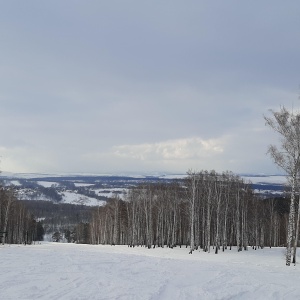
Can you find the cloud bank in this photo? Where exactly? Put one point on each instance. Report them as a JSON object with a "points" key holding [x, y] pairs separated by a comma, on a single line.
{"points": [[159, 86]]}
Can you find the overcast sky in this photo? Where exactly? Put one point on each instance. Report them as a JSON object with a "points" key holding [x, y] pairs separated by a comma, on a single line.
{"points": [[144, 86]]}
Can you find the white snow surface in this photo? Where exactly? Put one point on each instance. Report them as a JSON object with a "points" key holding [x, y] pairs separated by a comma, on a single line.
{"points": [[71, 271], [74, 198], [47, 184], [15, 182], [277, 179]]}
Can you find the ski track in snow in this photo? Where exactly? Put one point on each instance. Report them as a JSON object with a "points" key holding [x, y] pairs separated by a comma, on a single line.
{"points": [[70, 271]]}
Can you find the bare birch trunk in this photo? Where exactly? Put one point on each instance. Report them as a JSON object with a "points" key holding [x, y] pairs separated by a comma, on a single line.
{"points": [[296, 235], [291, 224]]}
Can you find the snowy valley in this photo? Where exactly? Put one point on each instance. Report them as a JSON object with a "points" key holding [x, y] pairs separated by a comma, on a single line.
{"points": [[95, 190]]}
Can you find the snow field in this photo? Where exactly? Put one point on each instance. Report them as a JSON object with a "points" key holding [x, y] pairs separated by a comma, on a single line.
{"points": [[47, 184], [70, 271], [74, 198], [278, 179]]}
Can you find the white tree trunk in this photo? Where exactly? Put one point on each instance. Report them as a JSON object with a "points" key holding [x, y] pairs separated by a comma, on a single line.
{"points": [[291, 224]]}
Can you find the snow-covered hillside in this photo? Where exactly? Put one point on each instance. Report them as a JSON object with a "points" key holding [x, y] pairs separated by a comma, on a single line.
{"points": [[74, 198], [94, 190], [70, 271]]}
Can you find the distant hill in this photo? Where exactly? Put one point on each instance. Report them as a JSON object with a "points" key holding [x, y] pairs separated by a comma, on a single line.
{"points": [[95, 190], [267, 185]]}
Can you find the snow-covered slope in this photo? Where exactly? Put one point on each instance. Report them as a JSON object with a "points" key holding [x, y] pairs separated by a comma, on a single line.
{"points": [[70, 271], [276, 179], [74, 198]]}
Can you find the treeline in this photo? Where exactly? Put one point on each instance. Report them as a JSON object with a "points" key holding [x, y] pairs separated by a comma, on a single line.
{"points": [[60, 220], [205, 210], [79, 233], [17, 224]]}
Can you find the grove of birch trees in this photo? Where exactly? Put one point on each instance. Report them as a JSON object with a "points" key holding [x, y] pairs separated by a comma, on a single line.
{"points": [[207, 210], [17, 225]]}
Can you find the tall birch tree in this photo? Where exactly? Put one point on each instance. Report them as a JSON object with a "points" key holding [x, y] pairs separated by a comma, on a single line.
{"points": [[287, 157]]}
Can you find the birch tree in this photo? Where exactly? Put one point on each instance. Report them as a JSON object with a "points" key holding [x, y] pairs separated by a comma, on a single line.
{"points": [[287, 157], [192, 190]]}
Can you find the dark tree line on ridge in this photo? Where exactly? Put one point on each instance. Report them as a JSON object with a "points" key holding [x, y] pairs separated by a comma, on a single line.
{"points": [[206, 210], [58, 216]]}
